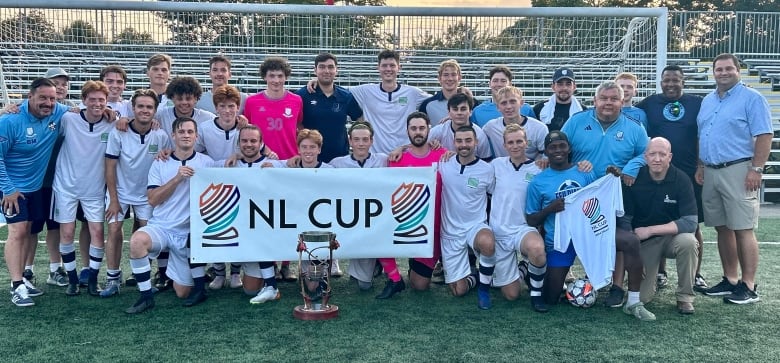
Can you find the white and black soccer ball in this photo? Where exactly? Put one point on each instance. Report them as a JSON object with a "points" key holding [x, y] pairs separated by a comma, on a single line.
{"points": [[581, 293]]}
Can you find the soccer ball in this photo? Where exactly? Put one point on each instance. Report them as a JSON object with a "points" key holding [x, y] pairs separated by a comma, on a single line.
{"points": [[581, 293]]}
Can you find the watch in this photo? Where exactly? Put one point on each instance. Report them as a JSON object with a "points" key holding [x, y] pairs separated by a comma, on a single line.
{"points": [[757, 169]]}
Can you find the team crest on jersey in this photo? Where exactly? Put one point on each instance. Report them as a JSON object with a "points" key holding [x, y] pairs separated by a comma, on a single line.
{"points": [[104, 137], [567, 188], [313, 102], [592, 209], [472, 182], [336, 107], [154, 148], [52, 126], [30, 132], [403, 100], [287, 112], [529, 177], [674, 111], [410, 206], [669, 200], [218, 209], [619, 136]]}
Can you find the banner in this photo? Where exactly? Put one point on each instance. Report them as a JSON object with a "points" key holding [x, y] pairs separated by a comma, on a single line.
{"points": [[252, 214]]}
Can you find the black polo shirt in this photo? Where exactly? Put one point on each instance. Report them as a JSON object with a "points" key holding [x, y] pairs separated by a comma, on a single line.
{"points": [[653, 203]]}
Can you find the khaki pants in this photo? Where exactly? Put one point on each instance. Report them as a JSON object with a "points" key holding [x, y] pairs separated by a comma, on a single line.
{"points": [[681, 247]]}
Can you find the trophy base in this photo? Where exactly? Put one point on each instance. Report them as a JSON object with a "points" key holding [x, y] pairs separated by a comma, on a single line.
{"points": [[331, 312]]}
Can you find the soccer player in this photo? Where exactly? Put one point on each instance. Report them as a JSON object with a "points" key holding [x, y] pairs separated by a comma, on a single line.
{"points": [[128, 157], [276, 111], [361, 136], [86, 134], [115, 79], [26, 142], [507, 220], [500, 77], [460, 106], [184, 92], [219, 73], [465, 183], [661, 210], [328, 108], [562, 104], [605, 137], [509, 100], [671, 114], [168, 190], [628, 82], [158, 69], [449, 79], [735, 139]]}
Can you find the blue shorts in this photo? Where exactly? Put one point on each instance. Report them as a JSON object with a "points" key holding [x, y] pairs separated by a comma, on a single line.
{"points": [[37, 224], [32, 207], [561, 259]]}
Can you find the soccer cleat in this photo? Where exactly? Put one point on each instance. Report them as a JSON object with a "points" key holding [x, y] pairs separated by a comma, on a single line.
{"points": [[268, 293], [111, 289], [288, 274], [32, 291], [20, 297], [162, 282], [84, 277], [335, 270], [723, 288], [58, 278], [196, 297], [235, 281], [72, 290], [537, 302], [217, 283], [639, 311], [483, 298], [661, 279], [700, 284], [29, 275], [438, 274], [143, 304], [391, 288], [742, 295], [614, 297], [92, 287]]}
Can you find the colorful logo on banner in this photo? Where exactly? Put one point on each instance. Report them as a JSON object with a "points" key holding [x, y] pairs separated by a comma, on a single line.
{"points": [[410, 205], [592, 210], [218, 209]]}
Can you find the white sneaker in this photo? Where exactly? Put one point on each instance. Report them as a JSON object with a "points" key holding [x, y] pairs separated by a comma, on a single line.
{"points": [[32, 291], [235, 281], [335, 270], [268, 293], [20, 298], [217, 283]]}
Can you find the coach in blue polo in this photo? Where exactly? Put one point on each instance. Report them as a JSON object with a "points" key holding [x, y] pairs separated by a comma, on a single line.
{"points": [[326, 110], [735, 137]]}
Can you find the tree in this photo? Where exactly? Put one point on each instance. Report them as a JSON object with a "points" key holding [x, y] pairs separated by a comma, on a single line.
{"points": [[276, 30], [458, 36], [27, 28], [132, 36], [82, 32]]}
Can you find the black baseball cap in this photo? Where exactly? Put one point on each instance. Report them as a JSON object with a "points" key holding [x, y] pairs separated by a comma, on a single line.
{"points": [[562, 73], [555, 136]]}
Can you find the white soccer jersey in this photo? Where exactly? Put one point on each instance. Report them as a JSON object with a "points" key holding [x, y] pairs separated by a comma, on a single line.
{"points": [[374, 160], [507, 212], [206, 102], [446, 136], [387, 112], [134, 153], [464, 195], [257, 163], [80, 171], [589, 222], [123, 108], [535, 132], [283, 164], [174, 213], [166, 116], [215, 141]]}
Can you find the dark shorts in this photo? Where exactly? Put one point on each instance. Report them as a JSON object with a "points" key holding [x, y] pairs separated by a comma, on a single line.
{"points": [[51, 225], [33, 206]]}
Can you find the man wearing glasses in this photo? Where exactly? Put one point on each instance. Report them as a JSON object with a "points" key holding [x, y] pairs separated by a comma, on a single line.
{"points": [[671, 114]]}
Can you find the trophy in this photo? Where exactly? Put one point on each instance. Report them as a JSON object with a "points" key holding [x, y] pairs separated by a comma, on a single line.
{"points": [[314, 272]]}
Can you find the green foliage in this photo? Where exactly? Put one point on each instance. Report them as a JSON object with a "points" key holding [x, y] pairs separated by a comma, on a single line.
{"points": [[82, 32], [132, 36], [28, 27]]}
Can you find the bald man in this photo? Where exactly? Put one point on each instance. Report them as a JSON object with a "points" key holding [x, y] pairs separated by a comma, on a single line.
{"points": [[661, 210]]}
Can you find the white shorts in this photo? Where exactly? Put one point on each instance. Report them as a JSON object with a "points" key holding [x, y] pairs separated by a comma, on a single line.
{"points": [[179, 255], [507, 248], [362, 268], [65, 206], [455, 254], [252, 269], [142, 212]]}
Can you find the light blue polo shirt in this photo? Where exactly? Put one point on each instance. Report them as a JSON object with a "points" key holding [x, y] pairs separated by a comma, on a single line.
{"points": [[488, 110], [728, 125]]}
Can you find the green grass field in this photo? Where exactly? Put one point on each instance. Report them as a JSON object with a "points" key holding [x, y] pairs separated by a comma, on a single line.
{"points": [[430, 326]]}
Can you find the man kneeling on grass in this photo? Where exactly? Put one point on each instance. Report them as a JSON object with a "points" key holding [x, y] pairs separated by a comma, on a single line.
{"points": [[169, 191]]}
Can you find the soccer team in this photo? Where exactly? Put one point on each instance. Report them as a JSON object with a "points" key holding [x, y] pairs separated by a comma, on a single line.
{"points": [[504, 177]]}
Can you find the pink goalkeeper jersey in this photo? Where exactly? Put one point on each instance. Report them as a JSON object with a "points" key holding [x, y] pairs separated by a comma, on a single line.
{"points": [[278, 119]]}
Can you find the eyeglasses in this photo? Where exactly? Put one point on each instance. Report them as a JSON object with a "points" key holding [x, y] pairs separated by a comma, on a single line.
{"points": [[675, 109]]}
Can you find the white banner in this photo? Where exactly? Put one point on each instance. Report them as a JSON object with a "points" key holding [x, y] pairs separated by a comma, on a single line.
{"points": [[245, 215]]}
